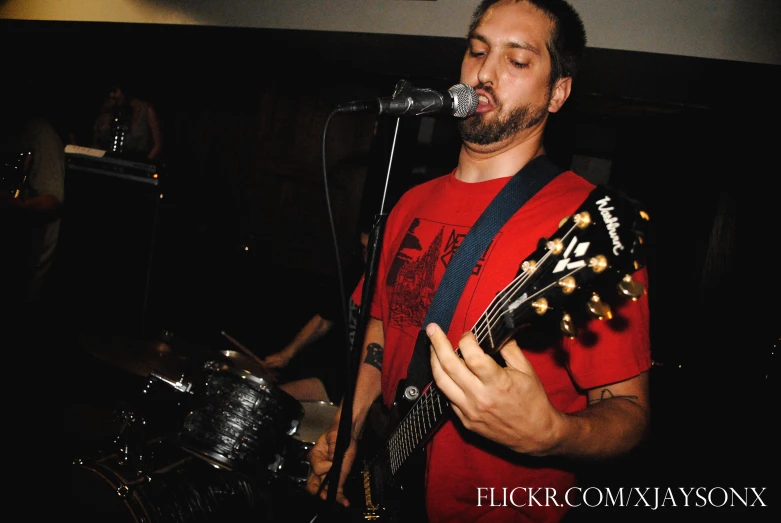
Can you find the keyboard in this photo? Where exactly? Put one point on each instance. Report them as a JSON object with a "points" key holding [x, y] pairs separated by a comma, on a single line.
{"points": [[98, 161]]}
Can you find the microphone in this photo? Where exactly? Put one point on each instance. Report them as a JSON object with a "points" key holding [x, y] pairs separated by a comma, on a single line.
{"points": [[459, 101]]}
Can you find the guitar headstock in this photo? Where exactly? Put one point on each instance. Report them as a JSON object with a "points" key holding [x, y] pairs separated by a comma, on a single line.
{"points": [[577, 272]]}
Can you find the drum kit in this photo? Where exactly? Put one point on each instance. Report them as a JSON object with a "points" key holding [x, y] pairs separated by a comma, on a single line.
{"points": [[211, 439]]}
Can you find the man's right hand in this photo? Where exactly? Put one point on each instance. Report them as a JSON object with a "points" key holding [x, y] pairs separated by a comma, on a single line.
{"points": [[321, 458]]}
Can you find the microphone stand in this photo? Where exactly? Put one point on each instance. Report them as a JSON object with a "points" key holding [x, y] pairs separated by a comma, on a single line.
{"points": [[344, 437]]}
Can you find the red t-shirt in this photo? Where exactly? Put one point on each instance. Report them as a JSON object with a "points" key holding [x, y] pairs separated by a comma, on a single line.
{"points": [[421, 234]]}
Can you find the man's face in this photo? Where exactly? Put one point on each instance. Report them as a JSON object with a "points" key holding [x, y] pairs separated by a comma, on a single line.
{"points": [[116, 96], [507, 62]]}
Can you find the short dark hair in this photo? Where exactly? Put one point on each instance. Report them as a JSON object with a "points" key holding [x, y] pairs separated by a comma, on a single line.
{"points": [[127, 88], [568, 39]]}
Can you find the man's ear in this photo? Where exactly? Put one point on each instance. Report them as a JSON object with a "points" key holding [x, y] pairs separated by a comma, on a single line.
{"points": [[560, 94]]}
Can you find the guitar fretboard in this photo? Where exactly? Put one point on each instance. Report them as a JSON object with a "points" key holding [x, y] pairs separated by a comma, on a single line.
{"points": [[424, 416]]}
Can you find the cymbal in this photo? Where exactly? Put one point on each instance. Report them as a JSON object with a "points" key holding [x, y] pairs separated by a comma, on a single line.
{"points": [[139, 356], [241, 361]]}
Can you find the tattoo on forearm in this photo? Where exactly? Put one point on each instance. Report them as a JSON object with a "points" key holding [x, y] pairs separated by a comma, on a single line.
{"points": [[374, 355], [606, 394]]}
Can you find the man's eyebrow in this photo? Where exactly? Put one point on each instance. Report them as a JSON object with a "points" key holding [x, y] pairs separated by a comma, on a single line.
{"points": [[476, 36], [512, 44], [526, 46]]}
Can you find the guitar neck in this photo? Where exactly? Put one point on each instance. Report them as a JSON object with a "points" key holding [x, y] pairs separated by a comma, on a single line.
{"points": [[417, 426]]}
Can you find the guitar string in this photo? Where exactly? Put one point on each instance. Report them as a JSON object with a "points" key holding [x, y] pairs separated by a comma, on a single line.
{"points": [[495, 305]]}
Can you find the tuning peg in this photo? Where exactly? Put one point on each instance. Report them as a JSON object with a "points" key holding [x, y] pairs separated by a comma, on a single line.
{"points": [[598, 263], [568, 285], [599, 308], [540, 306], [582, 219], [629, 287], [555, 246], [568, 326]]}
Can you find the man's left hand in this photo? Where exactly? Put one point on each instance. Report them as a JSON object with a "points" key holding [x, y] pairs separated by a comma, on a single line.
{"points": [[505, 404]]}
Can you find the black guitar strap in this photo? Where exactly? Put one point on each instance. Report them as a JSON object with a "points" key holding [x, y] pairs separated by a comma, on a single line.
{"points": [[521, 187]]}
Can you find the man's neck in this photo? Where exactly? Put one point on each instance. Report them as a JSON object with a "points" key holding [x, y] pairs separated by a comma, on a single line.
{"points": [[483, 163]]}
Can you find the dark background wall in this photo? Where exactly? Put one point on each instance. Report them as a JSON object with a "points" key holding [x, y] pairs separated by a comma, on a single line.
{"points": [[244, 113]]}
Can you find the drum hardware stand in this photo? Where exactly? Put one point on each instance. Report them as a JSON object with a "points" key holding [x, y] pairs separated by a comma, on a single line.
{"points": [[152, 240], [180, 385], [126, 489], [130, 438]]}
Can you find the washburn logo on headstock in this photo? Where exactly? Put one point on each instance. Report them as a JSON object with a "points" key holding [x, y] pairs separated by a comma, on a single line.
{"points": [[579, 250], [611, 222]]}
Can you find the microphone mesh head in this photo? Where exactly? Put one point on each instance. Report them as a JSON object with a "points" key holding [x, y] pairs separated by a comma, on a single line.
{"points": [[464, 100]]}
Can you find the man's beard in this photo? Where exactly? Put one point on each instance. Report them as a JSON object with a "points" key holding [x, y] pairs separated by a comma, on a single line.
{"points": [[475, 129]]}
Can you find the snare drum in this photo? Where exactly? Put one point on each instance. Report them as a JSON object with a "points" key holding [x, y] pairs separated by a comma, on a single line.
{"points": [[242, 422]]}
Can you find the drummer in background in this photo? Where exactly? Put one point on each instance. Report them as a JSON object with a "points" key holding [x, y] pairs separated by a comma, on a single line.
{"points": [[313, 365]]}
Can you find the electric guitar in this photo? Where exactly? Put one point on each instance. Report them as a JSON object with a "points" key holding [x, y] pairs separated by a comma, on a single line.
{"points": [[14, 171], [592, 255]]}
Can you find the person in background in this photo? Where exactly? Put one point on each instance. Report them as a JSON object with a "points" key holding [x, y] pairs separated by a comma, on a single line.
{"points": [[555, 403], [33, 195], [311, 366], [128, 126]]}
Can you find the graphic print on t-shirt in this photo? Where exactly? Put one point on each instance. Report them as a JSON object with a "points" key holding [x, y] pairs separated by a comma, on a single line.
{"points": [[418, 266]]}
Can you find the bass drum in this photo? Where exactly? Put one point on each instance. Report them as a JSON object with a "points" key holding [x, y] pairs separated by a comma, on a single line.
{"points": [[174, 487]]}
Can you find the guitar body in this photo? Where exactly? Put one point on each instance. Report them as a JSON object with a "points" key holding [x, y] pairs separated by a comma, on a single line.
{"points": [[394, 497]]}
